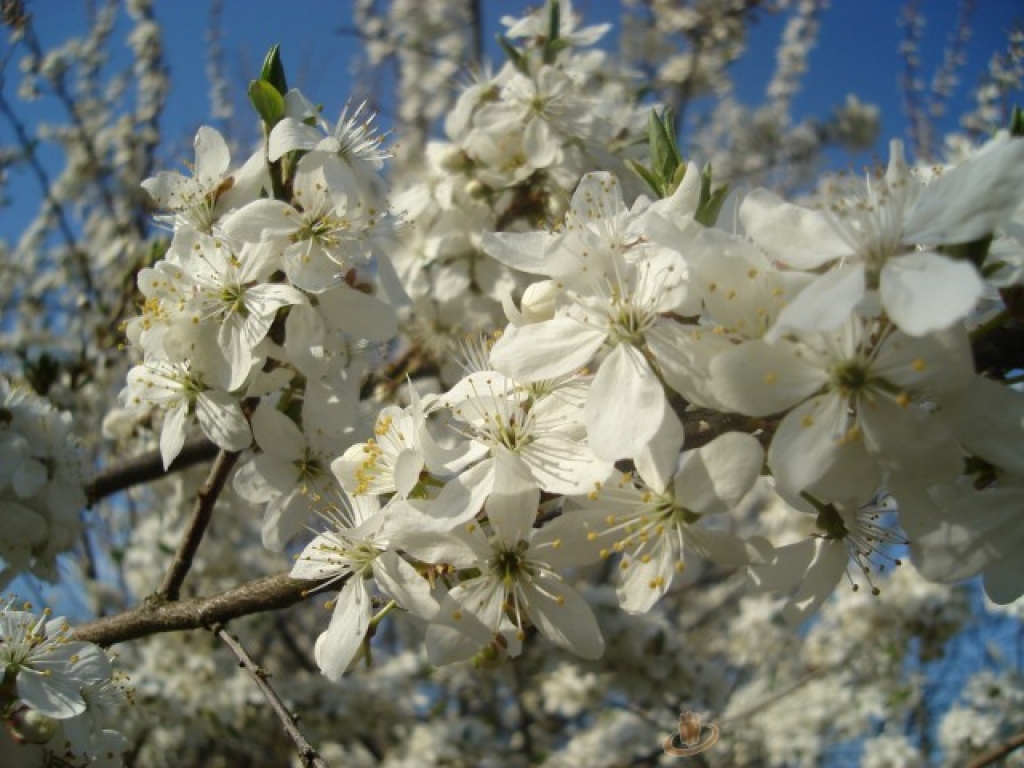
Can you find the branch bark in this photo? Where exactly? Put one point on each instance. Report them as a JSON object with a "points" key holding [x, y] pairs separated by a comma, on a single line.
{"points": [[201, 514], [145, 469], [998, 752], [270, 593], [310, 757]]}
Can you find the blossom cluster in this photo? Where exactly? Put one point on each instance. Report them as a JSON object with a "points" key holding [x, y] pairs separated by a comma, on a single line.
{"points": [[59, 696], [40, 484], [827, 347]]}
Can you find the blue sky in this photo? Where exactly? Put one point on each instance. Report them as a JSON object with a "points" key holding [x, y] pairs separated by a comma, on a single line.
{"points": [[857, 52]]}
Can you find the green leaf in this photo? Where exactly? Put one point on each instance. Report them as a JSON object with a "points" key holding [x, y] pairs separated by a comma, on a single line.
{"points": [[710, 202], [665, 155], [652, 180], [268, 102], [1017, 122], [273, 70], [517, 58], [708, 213], [554, 26]]}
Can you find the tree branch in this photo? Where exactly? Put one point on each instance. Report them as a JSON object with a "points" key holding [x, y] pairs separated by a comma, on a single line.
{"points": [[309, 756], [999, 751], [270, 593], [201, 514], [145, 469]]}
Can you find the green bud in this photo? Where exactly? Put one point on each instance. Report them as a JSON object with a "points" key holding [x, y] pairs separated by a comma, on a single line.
{"points": [[267, 101], [1017, 122]]}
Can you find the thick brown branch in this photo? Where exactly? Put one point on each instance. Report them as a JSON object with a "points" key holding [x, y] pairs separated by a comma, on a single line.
{"points": [[145, 469], [288, 720], [201, 514], [271, 593], [998, 752]]}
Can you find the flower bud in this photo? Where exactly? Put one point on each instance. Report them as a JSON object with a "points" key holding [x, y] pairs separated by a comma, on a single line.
{"points": [[27, 726]]}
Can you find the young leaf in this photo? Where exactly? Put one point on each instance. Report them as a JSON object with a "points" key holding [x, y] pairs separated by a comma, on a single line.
{"points": [[273, 70]]}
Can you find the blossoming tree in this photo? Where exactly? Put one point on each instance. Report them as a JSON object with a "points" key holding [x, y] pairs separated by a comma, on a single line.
{"points": [[571, 423]]}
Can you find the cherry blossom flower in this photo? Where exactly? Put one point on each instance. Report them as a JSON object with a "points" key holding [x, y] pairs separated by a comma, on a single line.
{"points": [[511, 572], [873, 236], [857, 400], [353, 550], [48, 667], [651, 521]]}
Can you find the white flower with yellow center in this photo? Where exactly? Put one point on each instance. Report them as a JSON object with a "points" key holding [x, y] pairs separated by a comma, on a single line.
{"points": [[857, 401], [652, 523], [48, 668], [354, 550], [885, 237], [622, 287], [511, 574]]}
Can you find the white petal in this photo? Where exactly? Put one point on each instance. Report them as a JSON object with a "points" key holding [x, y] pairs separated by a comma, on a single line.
{"points": [[625, 407], [988, 419], [1004, 581], [462, 497], [526, 251], [221, 419], [797, 237], [563, 617], [512, 504], [925, 292], [715, 477], [403, 583], [291, 134], [336, 647], [659, 459], [261, 219], [760, 379], [359, 315], [821, 579], [283, 519], [172, 435], [971, 200], [804, 446], [54, 695], [642, 583], [277, 435], [545, 350], [823, 305], [212, 156]]}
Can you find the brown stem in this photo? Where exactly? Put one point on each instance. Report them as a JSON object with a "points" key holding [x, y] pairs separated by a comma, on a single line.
{"points": [[998, 752], [309, 756], [146, 468], [201, 514], [270, 593]]}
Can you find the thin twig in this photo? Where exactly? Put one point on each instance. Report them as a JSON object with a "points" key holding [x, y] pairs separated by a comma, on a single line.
{"points": [[146, 468], [201, 514], [998, 752], [270, 593], [309, 756]]}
